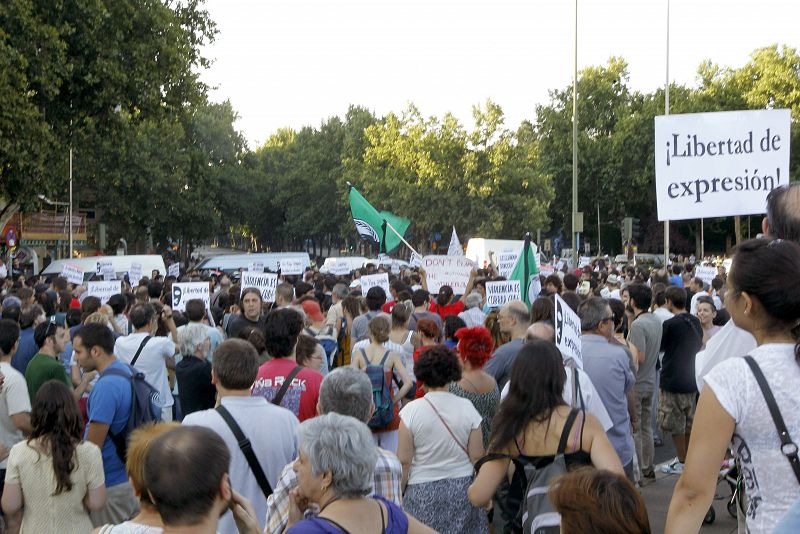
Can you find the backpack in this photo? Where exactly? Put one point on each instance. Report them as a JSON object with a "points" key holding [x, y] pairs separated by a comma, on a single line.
{"points": [[329, 343], [145, 407], [381, 393], [528, 495]]}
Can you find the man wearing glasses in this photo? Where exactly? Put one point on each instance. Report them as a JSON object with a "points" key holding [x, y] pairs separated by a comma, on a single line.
{"points": [[51, 337], [609, 368]]}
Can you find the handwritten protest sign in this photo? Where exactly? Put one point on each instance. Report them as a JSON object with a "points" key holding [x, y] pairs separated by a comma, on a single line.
{"points": [[255, 267], [583, 261], [568, 332], [498, 293], [72, 273], [103, 290], [291, 266], [416, 260], [105, 268], [506, 261], [135, 273], [184, 292], [339, 268], [719, 164], [372, 280], [706, 274], [546, 270], [452, 271], [264, 282], [174, 270]]}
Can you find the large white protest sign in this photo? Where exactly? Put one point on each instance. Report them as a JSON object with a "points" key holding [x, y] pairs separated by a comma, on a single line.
{"points": [[103, 290], [184, 292], [706, 274], [255, 267], [174, 270], [264, 282], [506, 261], [290, 266], [583, 261], [135, 274], [72, 273], [372, 280], [719, 164], [568, 332], [450, 271], [498, 293]]}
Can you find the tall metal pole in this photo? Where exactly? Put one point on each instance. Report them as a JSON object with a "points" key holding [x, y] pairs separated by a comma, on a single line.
{"points": [[702, 240], [666, 112], [598, 229], [70, 203], [575, 140]]}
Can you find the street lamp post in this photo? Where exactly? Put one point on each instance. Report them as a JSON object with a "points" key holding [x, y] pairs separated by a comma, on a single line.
{"points": [[70, 204]]}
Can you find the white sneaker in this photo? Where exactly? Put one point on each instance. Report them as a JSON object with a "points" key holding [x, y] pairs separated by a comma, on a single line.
{"points": [[673, 468]]}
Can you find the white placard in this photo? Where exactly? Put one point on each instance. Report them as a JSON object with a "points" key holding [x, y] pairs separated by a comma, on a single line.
{"points": [[506, 261], [72, 273], [106, 269], [291, 266], [719, 164], [560, 265], [416, 260], [395, 267], [184, 292], [135, 274], [372, 280], [339, 268], [498, 293], [706, 274], [174, 270], [568, 332], [546, 270], [583, 261], [264, 282], [255, 267], [103, 290], [450, 271]]}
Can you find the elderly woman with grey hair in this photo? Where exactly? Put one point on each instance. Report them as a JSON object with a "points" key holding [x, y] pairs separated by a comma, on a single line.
{"points": [[473, 314], [193, 372], [334, 471]]}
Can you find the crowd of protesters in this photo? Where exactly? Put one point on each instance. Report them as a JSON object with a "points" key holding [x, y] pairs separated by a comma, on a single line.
{"points": [[335, 410]]}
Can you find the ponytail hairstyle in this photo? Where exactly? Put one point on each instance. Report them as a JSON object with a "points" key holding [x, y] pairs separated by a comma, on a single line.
{"points": [[778, 293], [445, 295], [57, 423]]}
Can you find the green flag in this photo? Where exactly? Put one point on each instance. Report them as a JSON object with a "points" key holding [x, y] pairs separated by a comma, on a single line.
{"points": [[370, 223], [526, 270]]}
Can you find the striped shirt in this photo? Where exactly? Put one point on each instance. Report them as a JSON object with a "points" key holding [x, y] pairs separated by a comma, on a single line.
{"points": [[386, 483]]}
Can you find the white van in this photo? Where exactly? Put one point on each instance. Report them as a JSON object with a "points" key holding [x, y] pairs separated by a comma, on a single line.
{"points": [[231, 263], [122, 264]]}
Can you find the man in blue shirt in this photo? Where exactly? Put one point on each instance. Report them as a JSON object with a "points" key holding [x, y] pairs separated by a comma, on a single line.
{"points": [[110, 404]]}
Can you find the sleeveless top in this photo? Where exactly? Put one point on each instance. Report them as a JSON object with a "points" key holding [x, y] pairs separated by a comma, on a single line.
{"points": [[575, 459], [395, 523]]}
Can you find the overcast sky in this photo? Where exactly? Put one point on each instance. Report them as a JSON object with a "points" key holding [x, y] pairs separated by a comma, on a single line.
{"points": [[297, 62]]}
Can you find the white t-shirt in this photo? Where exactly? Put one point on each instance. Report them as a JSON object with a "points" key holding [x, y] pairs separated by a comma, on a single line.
{"points": [[152, 360], [271, 429], [591, 399], [770, 482], [729, 342], [14, 399], [436, 454]]}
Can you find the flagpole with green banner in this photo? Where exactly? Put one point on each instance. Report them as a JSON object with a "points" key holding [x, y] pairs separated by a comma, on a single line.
{"points": [[371, 224], [526, 271]]}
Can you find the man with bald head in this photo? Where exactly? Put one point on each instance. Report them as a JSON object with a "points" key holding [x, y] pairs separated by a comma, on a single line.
{"points": [[513, 319], [782, 222], [541, 330]]}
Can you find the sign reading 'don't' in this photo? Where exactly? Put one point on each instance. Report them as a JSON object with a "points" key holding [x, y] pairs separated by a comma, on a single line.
{"points": [[450, 271], [719, 164]]}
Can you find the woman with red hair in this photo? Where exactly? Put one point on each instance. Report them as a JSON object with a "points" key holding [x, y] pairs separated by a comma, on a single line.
{"points": [[474, 349]]}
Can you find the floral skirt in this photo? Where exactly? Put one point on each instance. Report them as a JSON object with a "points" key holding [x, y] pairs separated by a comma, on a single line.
{"points": [[444, 507]]}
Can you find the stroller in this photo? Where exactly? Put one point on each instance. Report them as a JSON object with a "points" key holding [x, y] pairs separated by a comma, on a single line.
{"points": [[729, 473]]}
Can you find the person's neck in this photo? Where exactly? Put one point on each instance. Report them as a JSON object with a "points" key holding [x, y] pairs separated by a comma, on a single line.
{"points": [[519, 334], [144, 330], [439, 389], [764, 336], [421, 309], [148, 515], [48, 351], [252, 319], [637, 312], [208, 526], [101, 364], [6, 358], [223, 392]]}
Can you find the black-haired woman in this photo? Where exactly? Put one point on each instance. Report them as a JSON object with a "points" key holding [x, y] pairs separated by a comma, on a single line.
{"points": [[531, 420], [440, 438], [53, 476], [732, 411]]}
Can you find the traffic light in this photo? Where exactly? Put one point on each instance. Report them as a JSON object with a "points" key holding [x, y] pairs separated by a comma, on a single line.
{"points": [[635, 230]]}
